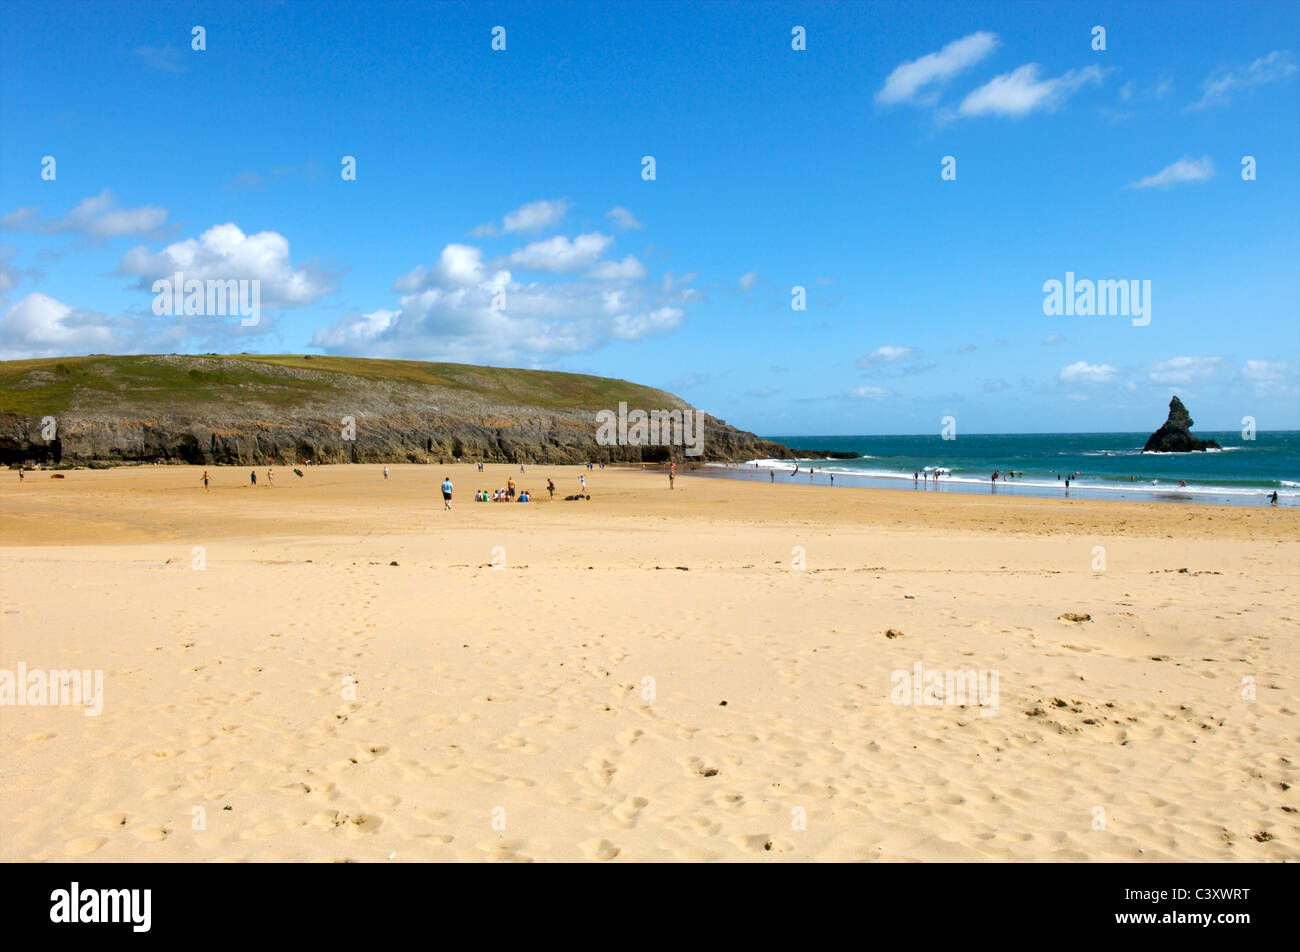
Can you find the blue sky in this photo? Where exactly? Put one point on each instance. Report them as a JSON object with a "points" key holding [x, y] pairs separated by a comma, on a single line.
{"points": [[520, 171]]}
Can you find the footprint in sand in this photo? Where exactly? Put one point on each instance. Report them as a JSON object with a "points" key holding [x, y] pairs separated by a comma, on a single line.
{"points": [[629, 737], [442, 839], [83, 845], [760, 843], [703, 826], [154, 757], [109, 821], [694, 767], [600, 851], [150, 833], [601, 770], [517, 742], [358, 824], [627, 811], [506, 851], [301, 788]]}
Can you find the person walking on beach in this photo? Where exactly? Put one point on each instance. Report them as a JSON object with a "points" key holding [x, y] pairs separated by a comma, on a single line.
{"points": [[206, 477], [510, 488], [550, 488], [771, 475], [446, 492], [671, 475], [385, 473], [582, 480], [1272, 500], [252, 478], [270, 478]]}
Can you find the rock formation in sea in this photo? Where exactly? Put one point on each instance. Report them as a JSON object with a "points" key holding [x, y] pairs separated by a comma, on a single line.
{"points": [[1175, 436]]}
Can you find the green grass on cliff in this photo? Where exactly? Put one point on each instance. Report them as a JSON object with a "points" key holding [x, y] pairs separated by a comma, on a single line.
{"points": [[153, 383]]}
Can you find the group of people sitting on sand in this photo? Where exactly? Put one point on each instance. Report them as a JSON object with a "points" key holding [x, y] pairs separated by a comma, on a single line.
{"points": [[503, 495]]}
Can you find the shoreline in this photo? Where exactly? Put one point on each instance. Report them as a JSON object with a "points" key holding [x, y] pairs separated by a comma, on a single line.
{"points": [[1027, 488]]}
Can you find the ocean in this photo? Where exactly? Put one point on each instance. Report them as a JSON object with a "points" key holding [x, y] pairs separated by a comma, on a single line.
{"points": [[1109, 465]]}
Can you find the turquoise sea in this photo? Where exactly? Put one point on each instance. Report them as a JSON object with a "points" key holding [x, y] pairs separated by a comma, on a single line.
{"points": [[1109, 465]]}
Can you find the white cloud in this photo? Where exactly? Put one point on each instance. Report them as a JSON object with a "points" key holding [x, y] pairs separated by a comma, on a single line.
{"points": [[629, 269], [747, 281], [886, 354], [355, 330], [97, 216], [460, 309], [1217, 90], [872, 393], [458, 266], [559, 254], [1264, 370], [40, 326], [224, 252], [1081, 372], [672, 283], [634, 327], [1183, 370], [622, 219], [906, 83], [1052, 339], [533, 217], [1271, 378], [1021, 92], [1184, 170], [9, 277]]}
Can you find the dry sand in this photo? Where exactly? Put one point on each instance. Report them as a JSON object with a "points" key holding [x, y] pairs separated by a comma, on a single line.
{"points": [[569, 705]]}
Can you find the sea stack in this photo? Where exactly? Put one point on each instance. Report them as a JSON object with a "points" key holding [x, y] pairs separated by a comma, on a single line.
{"points": [[1174, 436]]}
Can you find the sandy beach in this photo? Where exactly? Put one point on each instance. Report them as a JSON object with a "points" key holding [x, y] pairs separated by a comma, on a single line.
{"points": [[337, 669]]}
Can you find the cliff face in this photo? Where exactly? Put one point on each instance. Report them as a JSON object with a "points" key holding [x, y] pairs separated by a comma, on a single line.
{"points": [[1174, 435], [245, 410]]}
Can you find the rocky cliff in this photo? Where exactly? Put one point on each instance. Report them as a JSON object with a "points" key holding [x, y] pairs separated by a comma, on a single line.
{"points": [[1175, 436], [245, 409]]}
